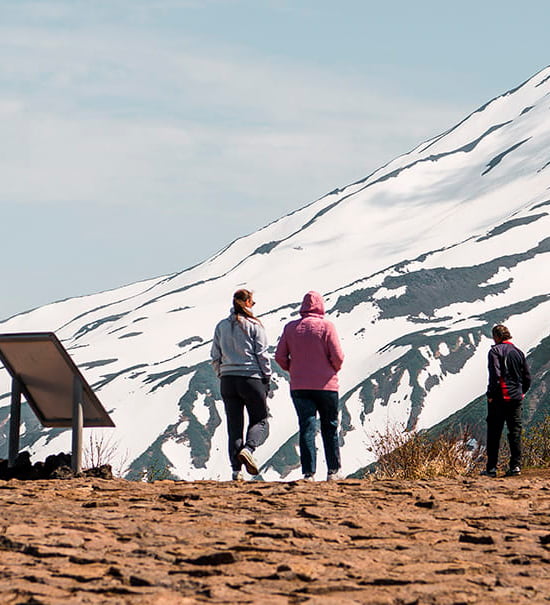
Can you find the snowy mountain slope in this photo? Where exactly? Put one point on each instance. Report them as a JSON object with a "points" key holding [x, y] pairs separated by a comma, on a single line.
{"points": [[416, 262]]}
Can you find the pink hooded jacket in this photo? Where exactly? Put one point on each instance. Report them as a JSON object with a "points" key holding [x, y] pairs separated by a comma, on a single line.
{"points": [[309, 348]]}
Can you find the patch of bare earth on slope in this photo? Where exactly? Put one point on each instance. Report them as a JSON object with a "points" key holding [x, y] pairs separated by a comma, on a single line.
{"points": [[443, 541]]}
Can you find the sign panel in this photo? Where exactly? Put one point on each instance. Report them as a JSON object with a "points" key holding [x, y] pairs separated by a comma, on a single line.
{"points": [[46, 373]]}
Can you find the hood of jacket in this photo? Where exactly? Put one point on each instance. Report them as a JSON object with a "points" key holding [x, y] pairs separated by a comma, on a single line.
{"points": [[312, 304]]}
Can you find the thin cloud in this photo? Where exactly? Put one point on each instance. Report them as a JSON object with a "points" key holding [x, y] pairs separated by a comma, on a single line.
{"points": [[128, 118]]}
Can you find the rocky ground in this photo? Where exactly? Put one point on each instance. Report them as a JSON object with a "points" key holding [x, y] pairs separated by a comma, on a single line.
{"points": [[445, 541]]}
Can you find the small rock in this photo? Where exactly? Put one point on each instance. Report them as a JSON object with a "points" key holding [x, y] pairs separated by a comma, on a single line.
{"points": [[425, 503], [100, 503], [305, 512], [62, 472], [138, 581], [521, 560], [217, 558], [351, 524], [475, 539], [172, 497], [104, 471]]}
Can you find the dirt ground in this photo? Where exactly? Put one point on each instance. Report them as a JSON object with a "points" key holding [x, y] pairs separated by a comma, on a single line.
{"points": [[446, 541]]}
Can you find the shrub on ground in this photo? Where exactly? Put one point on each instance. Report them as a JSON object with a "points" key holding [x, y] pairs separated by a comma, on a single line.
{"points": [[101, 450], [536, 445], [156, 470], [415, 455]]}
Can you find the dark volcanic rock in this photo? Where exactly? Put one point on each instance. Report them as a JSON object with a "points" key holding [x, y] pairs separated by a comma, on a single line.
{"points": [[475, 539], [56, 466], [104, 471]]}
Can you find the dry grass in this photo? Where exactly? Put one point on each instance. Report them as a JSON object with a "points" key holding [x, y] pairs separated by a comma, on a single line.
{"points": [[403, 455], [102, 450], [536, 445], [414, 455]]}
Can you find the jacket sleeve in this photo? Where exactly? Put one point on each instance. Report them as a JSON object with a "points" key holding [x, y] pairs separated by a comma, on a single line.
{"points": [[260, 349], [216, 352], [525, 377], [282, 354], [493, 388], [335, 353]]}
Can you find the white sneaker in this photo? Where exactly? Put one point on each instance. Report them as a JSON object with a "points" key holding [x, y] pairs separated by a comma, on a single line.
{"points": [[308, 478], [333, 476], [246, 457], [237, 476]]}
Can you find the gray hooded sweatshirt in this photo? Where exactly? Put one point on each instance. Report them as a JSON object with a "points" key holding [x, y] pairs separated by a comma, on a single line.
{"points": [[239, 348]]}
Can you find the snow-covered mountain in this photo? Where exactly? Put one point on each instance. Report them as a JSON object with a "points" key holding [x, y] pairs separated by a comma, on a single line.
{"points": [[416, 262]]}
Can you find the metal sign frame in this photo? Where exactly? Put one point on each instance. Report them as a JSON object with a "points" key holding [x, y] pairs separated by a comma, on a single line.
{"points": [[55, 389]]}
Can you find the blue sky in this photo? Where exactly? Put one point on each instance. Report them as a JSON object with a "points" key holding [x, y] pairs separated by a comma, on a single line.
{"points": [[139, 137]]}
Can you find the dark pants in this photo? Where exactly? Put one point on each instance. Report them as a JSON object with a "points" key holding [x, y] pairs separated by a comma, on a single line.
{"points": [[308, 403], [239, 392], [502, 411]]}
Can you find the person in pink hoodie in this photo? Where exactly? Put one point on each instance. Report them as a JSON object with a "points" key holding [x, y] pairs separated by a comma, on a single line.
{"points": [[310, 350]]}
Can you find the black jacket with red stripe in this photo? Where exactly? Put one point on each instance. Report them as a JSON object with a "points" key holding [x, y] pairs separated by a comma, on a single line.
{"points": [[509, 376]]}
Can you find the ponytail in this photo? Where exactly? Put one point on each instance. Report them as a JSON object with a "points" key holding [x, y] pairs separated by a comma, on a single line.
{"points": [[240, 298]]}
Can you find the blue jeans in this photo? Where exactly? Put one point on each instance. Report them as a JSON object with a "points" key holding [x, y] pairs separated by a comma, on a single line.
{"points": [[308, 403]]}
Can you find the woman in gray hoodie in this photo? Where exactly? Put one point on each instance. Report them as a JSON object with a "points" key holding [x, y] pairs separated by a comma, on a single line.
{"points": [[240, 359]]}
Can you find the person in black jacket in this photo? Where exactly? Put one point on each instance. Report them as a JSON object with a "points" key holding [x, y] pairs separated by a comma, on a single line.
{"points": [[509, 380]]}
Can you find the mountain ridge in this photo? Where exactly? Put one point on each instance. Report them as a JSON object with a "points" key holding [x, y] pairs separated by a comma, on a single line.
{"points": [[415, 261]]}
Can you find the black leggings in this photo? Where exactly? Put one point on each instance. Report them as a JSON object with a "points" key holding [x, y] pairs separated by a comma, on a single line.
{"points": [[239, 392]]}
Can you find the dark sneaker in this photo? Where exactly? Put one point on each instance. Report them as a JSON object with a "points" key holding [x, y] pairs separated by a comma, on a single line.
{"points": [[513, 472], [246, 457], [490, 472]]}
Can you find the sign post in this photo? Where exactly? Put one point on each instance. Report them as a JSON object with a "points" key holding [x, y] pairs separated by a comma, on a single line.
{"points": [[15, 421], [78, 423]]}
